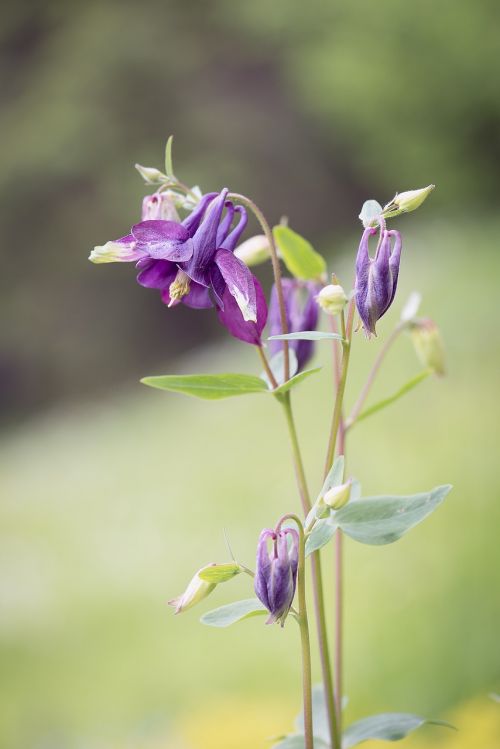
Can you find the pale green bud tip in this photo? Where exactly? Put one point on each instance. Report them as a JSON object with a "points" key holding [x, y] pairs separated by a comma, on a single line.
{"points": [[429, 345], [254, 250], [338, 496], [195, 592], [114, 252], [332, 299], [151, 175], [404, 202]]}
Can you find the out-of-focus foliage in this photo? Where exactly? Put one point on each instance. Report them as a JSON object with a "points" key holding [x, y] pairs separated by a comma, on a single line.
{"points": [[310, 108]]}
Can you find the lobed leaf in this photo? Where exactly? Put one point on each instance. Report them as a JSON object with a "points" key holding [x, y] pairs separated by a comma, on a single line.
{"points": [[383, 520], [298, 254], [231, 613], [386, 727]]}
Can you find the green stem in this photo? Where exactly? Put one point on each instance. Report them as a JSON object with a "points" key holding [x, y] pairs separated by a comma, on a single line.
{"points": [[267, 367], [317, 582], [276, 271], [304, 633]]}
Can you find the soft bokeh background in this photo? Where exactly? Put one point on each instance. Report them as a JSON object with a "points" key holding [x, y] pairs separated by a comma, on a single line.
{"points": [[111, 495]]}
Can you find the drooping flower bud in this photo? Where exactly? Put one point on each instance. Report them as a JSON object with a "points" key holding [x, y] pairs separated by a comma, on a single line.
{"points": [[276, 571], [377, 278], [338, 496], [332, 299], [150, 175], [428, 344], [196, 591], [301, 314], [254, 250], [404, 202], [159, 206]]}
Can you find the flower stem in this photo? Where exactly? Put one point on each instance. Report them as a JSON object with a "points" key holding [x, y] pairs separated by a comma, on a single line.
{"points": [[304, 633], [317, 582], [373, 373], [276, 271], [267, 368]]}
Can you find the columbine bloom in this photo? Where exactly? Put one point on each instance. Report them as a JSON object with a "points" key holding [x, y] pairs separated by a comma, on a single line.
{"points": [[301, 314], [377, 278], [192, 261], [276, 571]]}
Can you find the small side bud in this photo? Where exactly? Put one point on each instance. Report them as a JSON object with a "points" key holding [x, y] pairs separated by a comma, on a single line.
{"points": [[151, 175], [196, 591], [254, 250], [338, 496], [332, 299], [404, 202], [429, 345]]}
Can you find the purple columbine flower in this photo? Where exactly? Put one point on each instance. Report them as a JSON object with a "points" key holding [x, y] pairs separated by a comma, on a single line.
{"points": [[192, 261], [377, 278], [301, 314], [276, 571]]}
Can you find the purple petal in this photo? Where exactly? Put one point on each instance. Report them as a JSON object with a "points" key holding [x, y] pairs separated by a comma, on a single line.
{"points": [[239, 281], [230, 316], [156, 274], [232, 240], [204, 241], [225, 224], [198, 297], [163, 240], [192, 222], [395, 260], [218, 286], [301, 313], [263, 566]]}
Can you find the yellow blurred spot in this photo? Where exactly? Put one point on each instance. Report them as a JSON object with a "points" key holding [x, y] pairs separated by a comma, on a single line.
{"points": [[478, 724]]}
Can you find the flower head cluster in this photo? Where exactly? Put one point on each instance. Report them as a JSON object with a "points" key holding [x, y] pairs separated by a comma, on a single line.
{"points": [[276, 571]]}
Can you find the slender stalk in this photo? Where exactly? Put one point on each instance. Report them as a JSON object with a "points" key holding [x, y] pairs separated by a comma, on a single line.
{"points": [[276, 271], [317, 583], [267, 368], [304, 633], [373, 373]]}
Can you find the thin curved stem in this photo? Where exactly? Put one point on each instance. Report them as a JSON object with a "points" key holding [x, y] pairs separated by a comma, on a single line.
{"points": [[267, 367], [276, 271]]}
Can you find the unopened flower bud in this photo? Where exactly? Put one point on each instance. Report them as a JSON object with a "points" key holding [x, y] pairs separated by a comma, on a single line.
{"points": [[254, 250], [428, 344], [404, 202], [151, 175], [159, 206], [196, 591], [332, 299], [338, 496], [276, 571], [377, 277]]}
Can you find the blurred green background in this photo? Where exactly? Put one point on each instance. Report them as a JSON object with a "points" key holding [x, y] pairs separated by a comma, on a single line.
{"points": [[111, 495]]}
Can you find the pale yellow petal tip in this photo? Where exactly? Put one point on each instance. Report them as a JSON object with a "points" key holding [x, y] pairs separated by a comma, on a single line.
{"points": [[113, 252]]}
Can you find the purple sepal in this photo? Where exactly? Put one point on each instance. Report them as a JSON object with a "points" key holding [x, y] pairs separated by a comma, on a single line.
{"points": [[163, 240], [156, 274], [377, 278], [301, 314], [276, 571], [230, 316], [239, 282]]}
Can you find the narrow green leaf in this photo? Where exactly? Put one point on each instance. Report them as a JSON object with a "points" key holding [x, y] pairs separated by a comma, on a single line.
{"points": [[220, 573], [298, 741], [169, 166], [420, 377], [370, 212], [383, 520], [209, 387], [385, 727], [320, 535], [307, 335], [298, 254], [293, 381], [224, 616]]}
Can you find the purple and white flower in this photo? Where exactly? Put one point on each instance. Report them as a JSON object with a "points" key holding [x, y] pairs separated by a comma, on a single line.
{"points": [[377, 277], [276, 571]]}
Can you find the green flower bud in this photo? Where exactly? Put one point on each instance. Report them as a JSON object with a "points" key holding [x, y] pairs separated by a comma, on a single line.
{"points": [[254, 250], [404, 202], [196, 591], [338, 496], [428, 344], [332, 299], [151, 175]]}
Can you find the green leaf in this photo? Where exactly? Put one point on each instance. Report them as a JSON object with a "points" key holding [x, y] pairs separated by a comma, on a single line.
{"points": [[220, 573], [320, 535], [169, 166], [386, 727], [277, 364], [298, 741], [370, 212], [306, 335], [209, 387], [298, 254], [293, 381], [395, 396], [224, 616], [382, 520]]}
